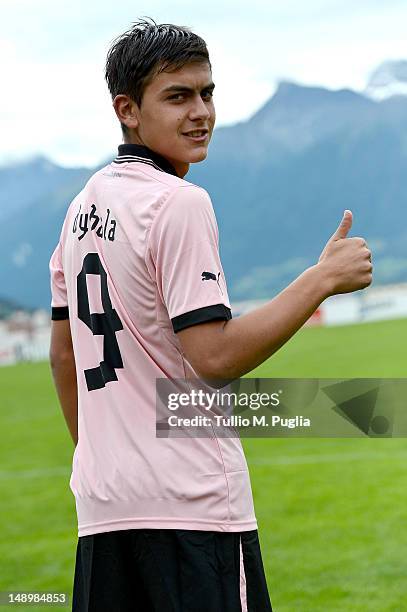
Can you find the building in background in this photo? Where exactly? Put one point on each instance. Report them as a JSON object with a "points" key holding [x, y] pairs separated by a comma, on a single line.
{"points": [[25, 336]]}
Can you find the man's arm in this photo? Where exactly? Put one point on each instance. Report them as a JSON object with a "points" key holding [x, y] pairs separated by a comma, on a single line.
{"points": [[62, 362], [224, 351]]}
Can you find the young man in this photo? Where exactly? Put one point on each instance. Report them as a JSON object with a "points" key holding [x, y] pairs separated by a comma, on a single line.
{"points": [[138, 293]]}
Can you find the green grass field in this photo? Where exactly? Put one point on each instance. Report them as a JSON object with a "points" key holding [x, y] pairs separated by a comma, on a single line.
{"points": [[332, 513]]}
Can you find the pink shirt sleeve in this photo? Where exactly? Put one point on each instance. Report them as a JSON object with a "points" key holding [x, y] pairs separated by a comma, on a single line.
{"points": [[184, 247], [59, 301]]}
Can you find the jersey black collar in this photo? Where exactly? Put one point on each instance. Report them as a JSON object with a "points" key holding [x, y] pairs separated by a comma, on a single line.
{"points": [[140, 153]]}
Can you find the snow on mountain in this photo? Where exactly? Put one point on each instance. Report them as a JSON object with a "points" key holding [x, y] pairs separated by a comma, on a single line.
{"points": [[387, 80]]}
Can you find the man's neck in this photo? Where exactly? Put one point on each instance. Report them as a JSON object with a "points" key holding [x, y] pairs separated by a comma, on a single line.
{"points": [[181, 168]]}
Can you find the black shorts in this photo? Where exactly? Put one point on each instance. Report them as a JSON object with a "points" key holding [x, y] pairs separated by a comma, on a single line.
{"points": [[170, 570]]}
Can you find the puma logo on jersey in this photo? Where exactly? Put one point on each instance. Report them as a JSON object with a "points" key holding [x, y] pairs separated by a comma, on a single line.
{"points": [[91, 221], [212, 276]]}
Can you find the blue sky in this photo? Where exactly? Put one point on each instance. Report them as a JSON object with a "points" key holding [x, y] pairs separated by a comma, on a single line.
{"points": [[54, 99]]}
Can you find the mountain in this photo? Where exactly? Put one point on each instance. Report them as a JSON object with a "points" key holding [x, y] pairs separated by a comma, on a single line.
{"points": [[387, 80], [278, 204], [279, 183], [33, 199], [33, 179]]}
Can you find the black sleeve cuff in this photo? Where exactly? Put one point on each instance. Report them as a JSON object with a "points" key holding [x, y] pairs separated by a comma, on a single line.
{"points": [[201, 315], [59, 313]]}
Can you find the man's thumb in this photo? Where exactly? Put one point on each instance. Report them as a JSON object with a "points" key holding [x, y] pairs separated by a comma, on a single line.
{"points": [[344, 226]]}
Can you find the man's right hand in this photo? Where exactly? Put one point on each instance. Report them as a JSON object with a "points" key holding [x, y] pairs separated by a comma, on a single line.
{"points": [[346, 261], [219, 350]]}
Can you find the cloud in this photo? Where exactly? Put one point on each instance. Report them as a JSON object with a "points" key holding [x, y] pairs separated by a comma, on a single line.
{"points": [[55, 100]]}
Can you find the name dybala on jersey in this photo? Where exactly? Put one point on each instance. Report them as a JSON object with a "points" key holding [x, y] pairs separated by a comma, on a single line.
{"points": [[137, 261]]}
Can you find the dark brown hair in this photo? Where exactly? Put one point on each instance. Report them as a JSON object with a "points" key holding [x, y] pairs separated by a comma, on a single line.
{"points": [[145, 50]]}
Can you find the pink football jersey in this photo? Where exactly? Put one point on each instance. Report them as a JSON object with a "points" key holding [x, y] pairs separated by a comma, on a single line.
{"points": [[137, 261]]}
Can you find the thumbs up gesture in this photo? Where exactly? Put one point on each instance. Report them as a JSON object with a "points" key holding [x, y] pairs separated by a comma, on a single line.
{"points": [[347, 261]]}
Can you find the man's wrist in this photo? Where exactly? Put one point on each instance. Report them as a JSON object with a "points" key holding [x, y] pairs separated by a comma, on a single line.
{"points": [[323, 279]]}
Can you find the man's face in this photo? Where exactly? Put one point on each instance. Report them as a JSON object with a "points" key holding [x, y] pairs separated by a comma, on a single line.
{"points": [[175, 103]]}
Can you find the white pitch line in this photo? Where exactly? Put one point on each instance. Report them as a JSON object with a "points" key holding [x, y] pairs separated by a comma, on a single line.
{"points": [[37, 473], [280, 460], [302, 460]]}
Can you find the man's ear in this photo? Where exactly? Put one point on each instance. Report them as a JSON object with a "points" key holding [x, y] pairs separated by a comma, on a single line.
{"points": [[127, 111]]}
